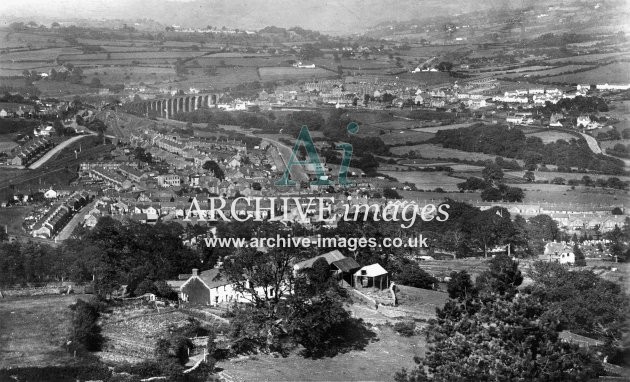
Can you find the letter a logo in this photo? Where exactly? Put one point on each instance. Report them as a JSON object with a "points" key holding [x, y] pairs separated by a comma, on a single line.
{"points": [[304, 138]]}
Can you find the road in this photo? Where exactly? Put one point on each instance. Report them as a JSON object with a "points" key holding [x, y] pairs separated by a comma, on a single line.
{"points": [[74, 222], [594, 146], [54, 151], [592, 143], [297, 172]]}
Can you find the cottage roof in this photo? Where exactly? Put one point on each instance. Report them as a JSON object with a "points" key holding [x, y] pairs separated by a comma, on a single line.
{"points": [[346, 265], [330, 257], [553, 247], [212, 278]]}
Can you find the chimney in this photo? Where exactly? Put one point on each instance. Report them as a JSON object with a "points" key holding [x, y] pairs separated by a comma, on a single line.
{"points": [[194, 271]]}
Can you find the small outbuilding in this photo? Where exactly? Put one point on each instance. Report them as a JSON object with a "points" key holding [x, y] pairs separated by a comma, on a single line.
{"points": [[371, 276]]}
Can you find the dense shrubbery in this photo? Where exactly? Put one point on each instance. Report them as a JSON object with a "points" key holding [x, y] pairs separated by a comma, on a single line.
{"points": [[114, 253], [85, 333], [512, 143], [490, 331], [406, 329]]}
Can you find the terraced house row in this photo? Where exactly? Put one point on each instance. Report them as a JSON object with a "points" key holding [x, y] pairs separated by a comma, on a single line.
{"points": [[59, 215], [29, 152]]}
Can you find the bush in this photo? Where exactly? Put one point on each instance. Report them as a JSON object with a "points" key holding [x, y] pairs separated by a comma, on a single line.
{"points": [[412, 275], [390, 193], [406, 329], [85, 333]]}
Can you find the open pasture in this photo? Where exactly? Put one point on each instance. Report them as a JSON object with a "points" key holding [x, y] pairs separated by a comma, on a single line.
{"points": [[405, 137], [427, 150], [377, 362], [616, 73], [552, 136], [225, 77], [426, 180], [435, 129], [242, 61], [33, 330], [291, 73], [121, 74], [549, 71], [589, 58]]}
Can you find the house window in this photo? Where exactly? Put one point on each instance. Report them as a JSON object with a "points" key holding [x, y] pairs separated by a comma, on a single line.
{"points": [[271, 291]]}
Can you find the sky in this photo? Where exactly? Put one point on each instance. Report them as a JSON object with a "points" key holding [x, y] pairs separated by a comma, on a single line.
{"points": [[329, 16]]}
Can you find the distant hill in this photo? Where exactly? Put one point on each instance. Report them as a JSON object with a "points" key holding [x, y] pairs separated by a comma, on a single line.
{"points": [[332, 16]]}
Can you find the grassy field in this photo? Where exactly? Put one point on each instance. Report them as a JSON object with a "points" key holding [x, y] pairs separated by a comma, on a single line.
{"points": [[438, 152], [543, 175], [121, 74], [548, 72], [286, 73], [33, 330], [552, 136], [378, 362], [615, 73], [588, 58], [426, 180], [435, 129], [405, 137], [59, 89], [535, 193], [7, 146], [13, 217]]}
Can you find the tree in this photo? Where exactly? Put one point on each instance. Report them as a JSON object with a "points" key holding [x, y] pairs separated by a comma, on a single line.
{"points": [[513, 195], [529, 176], [460, 286], [472, 184], [580, 260], [489, 228], [502, 278], [414, 276], [492, 174], [95, 83], [581, 301], [85, 332], [146, 286], [390, 193], [250, 270], [491, 194], [542, 229], [445, 66], [618, 238], [318, 321], [215, 169], [499, 340]]}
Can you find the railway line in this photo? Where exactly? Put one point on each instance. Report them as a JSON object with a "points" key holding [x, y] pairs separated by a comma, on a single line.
{"points": [[57, 165]]}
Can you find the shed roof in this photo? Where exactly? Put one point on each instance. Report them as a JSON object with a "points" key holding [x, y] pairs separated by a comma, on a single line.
{"points": [[371, 271]]}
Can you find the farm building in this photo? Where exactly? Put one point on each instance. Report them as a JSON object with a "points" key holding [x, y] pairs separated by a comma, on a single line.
{"points": [[558, 252], [209, 288], [341, 266], [371, 276]]}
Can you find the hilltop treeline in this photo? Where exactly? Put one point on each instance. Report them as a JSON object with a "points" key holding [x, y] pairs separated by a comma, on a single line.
{"points": [[512, 143]]}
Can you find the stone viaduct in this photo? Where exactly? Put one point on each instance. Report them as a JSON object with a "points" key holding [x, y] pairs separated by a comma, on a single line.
{"points": [[167, 107]]}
